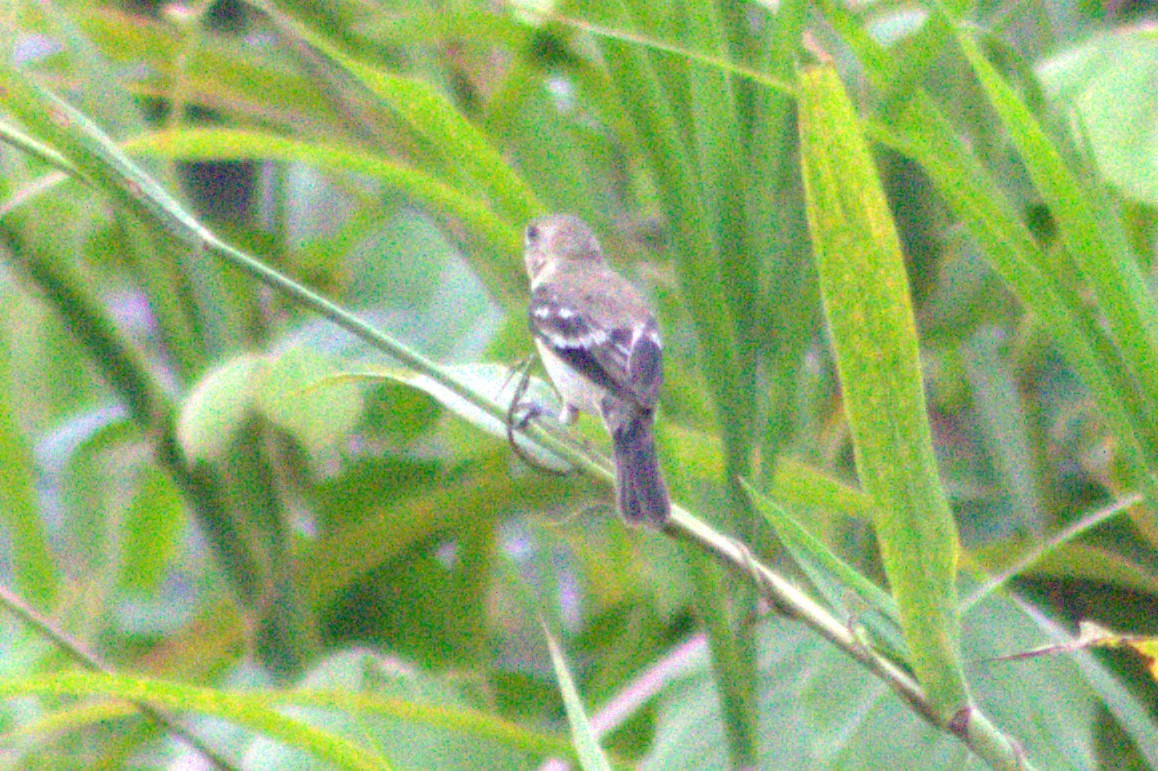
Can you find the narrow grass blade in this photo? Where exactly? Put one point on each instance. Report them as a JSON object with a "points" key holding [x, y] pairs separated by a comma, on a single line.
{"points": [[835, 579], [796, 482], [101, 162], [202, 144], [1091, 233], [244, 710], [651, 109], [433, 116], [810, 553], [924, 134], [654, 110], [591, 755], [1049, 545], [721, 159]]}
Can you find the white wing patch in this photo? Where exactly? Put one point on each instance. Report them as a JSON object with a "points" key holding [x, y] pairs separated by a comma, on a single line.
{"points": [[564, 327]]}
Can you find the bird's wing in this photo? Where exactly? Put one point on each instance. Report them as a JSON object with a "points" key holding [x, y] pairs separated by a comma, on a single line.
{"points": [[620, 353]]}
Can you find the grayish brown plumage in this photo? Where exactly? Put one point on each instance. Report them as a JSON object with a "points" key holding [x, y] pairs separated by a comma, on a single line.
{"points": [[600, 344]]}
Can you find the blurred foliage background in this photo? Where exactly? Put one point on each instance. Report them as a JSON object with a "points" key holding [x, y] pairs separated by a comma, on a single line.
{"points": [[209, 487]]}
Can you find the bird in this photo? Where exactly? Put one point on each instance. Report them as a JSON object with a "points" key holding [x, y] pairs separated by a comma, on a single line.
{"points": [[600, 344]]}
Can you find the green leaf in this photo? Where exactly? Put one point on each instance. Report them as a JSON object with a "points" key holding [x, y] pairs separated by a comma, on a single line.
{"points": [[224, 72], [653, 111], [92, 480], [418, 720], [587, 747], [33, 562], [1073, 562], [651, 86], [1091, 232], [414, 514], [433, 116], [556, 149], [106, 97], [820, 564], [820, 710], [299, 391], [868, 307], [231, 144], [796, 482], [159, 228], [811, 555], [424, 25], [68, 721], [1013, 558], [102, 161], [217, 407], [924, 134], [153, 524], [246, 710], [720, 158], [1003, 425], [499, 384]]}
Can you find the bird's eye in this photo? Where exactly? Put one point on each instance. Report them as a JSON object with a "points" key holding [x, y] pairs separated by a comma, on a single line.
{"points": [[532, 234]]}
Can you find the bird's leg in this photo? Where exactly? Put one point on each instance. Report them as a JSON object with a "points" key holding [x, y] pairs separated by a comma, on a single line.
{"points": [[529, 410], [520, 414]]}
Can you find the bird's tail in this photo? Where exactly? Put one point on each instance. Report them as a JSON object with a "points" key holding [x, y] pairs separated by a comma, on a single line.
{"points": [[639, 486]]}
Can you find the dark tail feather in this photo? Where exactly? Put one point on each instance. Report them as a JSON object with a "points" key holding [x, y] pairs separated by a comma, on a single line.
{"points": [[639, 487]]}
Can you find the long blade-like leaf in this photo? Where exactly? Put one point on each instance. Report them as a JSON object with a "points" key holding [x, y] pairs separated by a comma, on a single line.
{"points": [[867, 303]]}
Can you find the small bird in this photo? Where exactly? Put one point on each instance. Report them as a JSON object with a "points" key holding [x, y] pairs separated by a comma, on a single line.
{"points": [[600, 344]]}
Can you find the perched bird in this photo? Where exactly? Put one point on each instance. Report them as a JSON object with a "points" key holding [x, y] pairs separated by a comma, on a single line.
{"points": [[600, 344]]}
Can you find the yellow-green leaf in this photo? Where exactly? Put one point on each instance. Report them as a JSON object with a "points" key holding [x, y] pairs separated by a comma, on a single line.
{"points": [[870, 318]]}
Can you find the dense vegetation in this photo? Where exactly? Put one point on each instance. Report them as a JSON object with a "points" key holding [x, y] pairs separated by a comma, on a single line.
{"points": [[263, 309]]}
